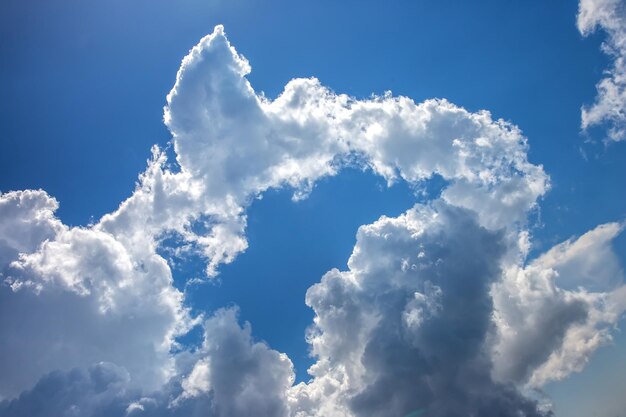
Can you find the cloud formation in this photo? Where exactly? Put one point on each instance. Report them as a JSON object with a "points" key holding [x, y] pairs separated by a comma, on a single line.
{"points": [[75, 296], [555, 311], [609, 106], [405, 328], [439, 310]]}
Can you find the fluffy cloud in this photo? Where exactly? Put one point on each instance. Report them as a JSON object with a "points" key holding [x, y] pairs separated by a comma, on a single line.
{"points": [[231, 145], [26, 220], [230, 376], [434, 313], [306, 133], [610, 15], [557, 310], [243, 377], [406, 327], [75, 296]]}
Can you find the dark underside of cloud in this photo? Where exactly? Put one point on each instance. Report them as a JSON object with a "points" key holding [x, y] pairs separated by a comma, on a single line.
{"points": [[99, 391]]}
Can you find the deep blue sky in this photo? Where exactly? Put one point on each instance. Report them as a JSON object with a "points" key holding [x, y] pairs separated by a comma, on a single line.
{"points": [[83, 84]]}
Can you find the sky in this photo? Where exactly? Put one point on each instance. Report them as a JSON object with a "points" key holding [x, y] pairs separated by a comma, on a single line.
{"points": [[304, 209]]}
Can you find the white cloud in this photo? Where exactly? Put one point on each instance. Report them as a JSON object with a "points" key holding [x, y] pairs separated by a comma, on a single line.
{"points": [[75, 296], [371, 361], [26, 220], [244, 377], [230, 376], [233, 144], [553, 313], [409, 325], [588, 261], [199, 380], [609, 107]]}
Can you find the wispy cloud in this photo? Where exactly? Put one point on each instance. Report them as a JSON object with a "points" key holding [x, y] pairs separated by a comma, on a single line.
{"points": [[610, 104]]}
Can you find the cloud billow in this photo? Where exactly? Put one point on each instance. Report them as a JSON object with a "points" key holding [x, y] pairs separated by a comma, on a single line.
{"points": [[417, 289]]}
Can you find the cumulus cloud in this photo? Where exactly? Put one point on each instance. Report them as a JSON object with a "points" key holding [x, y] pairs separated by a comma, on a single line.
{"points": [[556, 311], [74, 296], [405, 328], [26, 219], [609, 107], [434, 313], [230, 376], [306, 133], [244, 377]]}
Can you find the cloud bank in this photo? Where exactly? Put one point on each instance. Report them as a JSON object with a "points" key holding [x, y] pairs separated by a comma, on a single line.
{"points": [[439, 312]]}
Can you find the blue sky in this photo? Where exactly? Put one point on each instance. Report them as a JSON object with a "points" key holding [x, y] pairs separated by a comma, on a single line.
{"points": [[85, 83]]}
